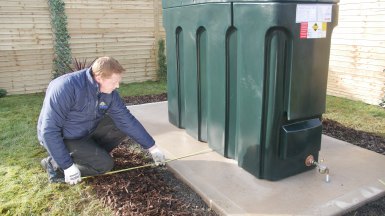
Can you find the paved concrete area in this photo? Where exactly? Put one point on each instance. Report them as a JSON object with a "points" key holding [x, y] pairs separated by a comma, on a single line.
{"points": [[355, 175]]}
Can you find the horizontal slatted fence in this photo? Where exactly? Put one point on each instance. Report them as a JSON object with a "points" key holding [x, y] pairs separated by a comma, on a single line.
{"points": [[126, 30], [357, 59], [26, 46], [129, 31]]}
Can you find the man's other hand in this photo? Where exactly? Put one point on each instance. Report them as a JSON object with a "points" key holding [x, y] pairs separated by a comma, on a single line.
{"points": [[157, 155], [72, 175]]}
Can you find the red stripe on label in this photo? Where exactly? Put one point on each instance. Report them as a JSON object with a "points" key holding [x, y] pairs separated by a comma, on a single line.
{"points": [[303, 30]]}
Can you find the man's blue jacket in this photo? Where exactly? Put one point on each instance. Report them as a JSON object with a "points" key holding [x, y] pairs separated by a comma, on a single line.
{"points": [[72, 109]]}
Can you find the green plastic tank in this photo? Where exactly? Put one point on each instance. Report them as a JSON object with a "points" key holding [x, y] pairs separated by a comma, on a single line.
{"points": [[250, 77]]}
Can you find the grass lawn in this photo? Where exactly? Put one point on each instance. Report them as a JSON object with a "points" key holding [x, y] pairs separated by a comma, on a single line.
{"points": [[356, 115], [24, 188]]}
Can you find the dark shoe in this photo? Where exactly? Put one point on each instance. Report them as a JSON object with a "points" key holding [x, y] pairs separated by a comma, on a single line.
{"points": [[55, 175]]}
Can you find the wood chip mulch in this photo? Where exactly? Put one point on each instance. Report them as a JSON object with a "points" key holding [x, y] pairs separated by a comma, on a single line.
{"points": [[134, 100], [146, 191]]}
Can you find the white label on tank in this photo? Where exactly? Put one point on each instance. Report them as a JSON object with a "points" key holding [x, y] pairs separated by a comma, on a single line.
{"points": [[313, 13]]}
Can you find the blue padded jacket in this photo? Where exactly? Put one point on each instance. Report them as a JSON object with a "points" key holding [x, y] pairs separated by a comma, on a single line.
{"points": [[72, 109]]}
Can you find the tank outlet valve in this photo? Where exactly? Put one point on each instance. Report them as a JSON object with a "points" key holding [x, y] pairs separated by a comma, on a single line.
{"points": [[321, 168]]}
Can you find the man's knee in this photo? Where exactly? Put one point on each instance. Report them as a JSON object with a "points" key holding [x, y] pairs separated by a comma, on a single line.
{"points": [[108, 165], [99, 165], [104, 165]]}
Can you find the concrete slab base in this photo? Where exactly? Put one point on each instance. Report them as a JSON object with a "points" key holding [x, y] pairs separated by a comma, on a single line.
{"points": [[355, 173]]}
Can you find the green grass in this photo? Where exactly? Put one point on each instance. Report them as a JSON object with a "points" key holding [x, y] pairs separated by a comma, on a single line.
{"points": [[24, 187], [144, 88], [356, 115]]}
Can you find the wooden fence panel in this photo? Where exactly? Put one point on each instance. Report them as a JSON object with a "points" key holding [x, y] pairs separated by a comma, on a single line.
{"points": [[357, 59], [26, 47], [125, 30]]}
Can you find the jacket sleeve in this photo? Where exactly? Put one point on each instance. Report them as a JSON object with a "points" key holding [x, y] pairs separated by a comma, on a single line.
{"points": [[128, 124], [56, 106]]}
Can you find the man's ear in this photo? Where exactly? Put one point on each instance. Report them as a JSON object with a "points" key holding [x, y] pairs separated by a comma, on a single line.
{"points": [[98, 79]]}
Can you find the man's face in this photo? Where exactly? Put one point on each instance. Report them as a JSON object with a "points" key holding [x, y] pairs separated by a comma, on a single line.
{"points": [[108, 84]]}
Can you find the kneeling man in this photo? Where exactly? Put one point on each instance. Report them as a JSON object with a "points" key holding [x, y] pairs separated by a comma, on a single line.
{"points": [[83, 118]]}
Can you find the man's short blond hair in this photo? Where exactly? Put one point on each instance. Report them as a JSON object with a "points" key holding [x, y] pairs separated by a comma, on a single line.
{"points": [[106, 66]]}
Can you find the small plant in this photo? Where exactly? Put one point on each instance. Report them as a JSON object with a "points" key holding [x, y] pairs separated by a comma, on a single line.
{"points": [[162, 65], [3, 92], [79, 64]]}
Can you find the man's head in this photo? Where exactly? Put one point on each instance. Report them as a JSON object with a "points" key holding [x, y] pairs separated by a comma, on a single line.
{"points": [[107, 73]]}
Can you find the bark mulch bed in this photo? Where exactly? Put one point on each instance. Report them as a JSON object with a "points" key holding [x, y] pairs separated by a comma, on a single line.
{"points": [[155, 190], [146, 191], [134, 100]]}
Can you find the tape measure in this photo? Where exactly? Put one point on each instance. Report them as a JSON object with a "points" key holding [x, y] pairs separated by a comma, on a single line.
{"points": [[149, 165]]}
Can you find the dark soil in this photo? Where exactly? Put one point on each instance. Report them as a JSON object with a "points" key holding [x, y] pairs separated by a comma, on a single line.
{"points": [[134, 100], [155, 190], [146, 191]]}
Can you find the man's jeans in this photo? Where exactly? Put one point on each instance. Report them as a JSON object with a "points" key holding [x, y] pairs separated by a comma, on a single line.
{"points": [[91, 154]]}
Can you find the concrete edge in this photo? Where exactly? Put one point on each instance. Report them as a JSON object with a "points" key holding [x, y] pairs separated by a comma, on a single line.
{"points": [[355, 199], [341, 205], [212, 205], [173, 167]]}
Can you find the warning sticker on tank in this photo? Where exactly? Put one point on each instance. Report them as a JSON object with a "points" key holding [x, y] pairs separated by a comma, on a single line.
{"points": [[313, 30], [313, 13]]}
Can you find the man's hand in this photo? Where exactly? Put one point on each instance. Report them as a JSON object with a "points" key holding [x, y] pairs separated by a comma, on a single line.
{"points": [[157, 155], [72, 175]]}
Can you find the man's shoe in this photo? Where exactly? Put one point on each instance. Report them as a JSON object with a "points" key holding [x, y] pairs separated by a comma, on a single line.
{"points": [[55, 175]]}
